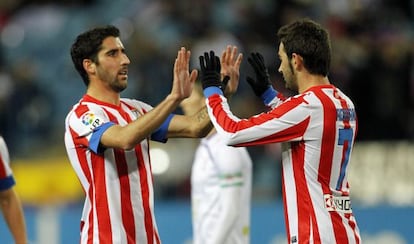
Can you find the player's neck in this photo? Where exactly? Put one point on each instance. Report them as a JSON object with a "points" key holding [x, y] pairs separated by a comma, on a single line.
{"points": [[308, 81], [104, 95]]}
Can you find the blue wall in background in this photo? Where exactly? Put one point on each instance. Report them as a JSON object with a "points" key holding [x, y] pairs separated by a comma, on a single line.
{"points": [[381, 223]]}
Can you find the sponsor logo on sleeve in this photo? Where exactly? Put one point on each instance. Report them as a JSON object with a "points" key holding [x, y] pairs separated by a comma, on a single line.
{"points": [[89, 119]]}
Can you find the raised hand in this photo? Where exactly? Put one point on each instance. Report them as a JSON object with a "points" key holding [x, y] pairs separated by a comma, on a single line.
{"points": [[183, 81], [230, 66], [210, 70], [262, 81]]}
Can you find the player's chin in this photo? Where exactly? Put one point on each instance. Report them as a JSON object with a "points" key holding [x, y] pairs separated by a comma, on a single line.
{"points": [[122, 85]]}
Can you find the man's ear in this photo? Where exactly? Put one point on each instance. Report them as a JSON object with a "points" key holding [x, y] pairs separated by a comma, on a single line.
{"points": [[297, 61], [89, 66]]}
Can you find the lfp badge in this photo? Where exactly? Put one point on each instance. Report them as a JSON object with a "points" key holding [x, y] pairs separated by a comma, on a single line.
{"points": [[89, 119]]}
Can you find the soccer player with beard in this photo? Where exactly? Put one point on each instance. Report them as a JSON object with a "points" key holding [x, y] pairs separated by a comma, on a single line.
{"points": [[107, 139], [317, 128]]}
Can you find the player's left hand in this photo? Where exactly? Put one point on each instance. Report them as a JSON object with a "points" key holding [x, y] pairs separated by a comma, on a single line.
{"points": [[183, 81], [262, 81], [210, 71]]}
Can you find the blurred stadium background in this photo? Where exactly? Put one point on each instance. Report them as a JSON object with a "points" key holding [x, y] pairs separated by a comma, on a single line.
{"points": [[373, 54]]}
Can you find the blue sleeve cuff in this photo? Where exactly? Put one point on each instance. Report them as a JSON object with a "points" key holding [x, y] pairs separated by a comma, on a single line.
{"points": [[268, 95], [209, 91], [7, 183], [160, 134], [94, 142]]}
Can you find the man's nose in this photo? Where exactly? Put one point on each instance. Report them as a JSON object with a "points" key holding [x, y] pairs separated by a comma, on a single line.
{"points": [[125, 59]]}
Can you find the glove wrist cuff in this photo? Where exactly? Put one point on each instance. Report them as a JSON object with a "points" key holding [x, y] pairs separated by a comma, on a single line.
{"points": [[268, 95], [209, 91], [210, 79]]}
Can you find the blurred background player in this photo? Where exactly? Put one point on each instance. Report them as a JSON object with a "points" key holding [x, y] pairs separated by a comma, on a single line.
{"points": [[317, 127], [10, 204], [221, 176]]}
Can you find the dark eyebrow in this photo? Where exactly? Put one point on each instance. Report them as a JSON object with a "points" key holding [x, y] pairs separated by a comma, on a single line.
{"points": [[114, 50]]}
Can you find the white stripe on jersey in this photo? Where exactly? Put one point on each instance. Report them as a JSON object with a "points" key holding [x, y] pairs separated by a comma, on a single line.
{"points": [[5, 170], [118, 184], [318, 129]]}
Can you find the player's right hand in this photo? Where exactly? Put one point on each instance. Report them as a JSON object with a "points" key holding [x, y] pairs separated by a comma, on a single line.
{"points": [[210, 71], [230, 66], [262, 81]]}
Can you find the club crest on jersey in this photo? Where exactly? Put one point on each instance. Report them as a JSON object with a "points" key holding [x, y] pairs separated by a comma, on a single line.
{"points": [[89, 119]]}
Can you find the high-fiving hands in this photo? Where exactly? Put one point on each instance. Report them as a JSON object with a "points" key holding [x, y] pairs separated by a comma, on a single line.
{"points": [[183, 82], [226, 74]]}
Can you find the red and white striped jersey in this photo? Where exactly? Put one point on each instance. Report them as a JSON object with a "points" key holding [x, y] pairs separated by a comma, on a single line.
{"points": [[118, 183], [6, 174], [318, 129]]}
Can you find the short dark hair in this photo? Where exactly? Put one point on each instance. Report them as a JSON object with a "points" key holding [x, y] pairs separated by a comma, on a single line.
{"points": [[87, 45], [308, 39]]}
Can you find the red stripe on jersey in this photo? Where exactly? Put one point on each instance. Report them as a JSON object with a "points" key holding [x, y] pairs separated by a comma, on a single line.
{"points": [[157, 237], [81, 109], [127, 212], [91, 217], [149, 226], [232, 126], [288, 105], [302, 193], [286, 207], [339, 228], [353, 227], [2, 168], [290, 133], [122, 169], [128, 106], [102, 208], [80, 153], [306, 214], [328, 140], [325, 163]]}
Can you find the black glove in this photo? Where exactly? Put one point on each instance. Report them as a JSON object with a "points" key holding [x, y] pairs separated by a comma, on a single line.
{"points": [[210, 71], [262, 82]]}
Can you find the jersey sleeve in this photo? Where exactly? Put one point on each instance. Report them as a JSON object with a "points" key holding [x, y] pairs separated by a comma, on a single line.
{"points": [[286, 122], [6, 176], [272, 98], [88, 123], [159, 135]]}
